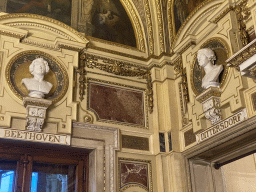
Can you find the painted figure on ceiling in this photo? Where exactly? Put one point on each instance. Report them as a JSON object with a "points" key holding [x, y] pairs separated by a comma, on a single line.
{"points": [[103, 19], [182, 9]]}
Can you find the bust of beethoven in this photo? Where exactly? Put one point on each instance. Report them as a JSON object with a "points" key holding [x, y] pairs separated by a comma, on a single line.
{"points": [[36, 85], [206, 58]]}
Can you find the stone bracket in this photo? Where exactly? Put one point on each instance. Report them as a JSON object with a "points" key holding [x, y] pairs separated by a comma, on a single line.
{"points": [[36, 113], [210, 99]]}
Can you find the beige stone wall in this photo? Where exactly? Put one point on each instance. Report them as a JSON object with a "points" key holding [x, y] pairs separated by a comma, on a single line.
{"points": [[173, 113]]}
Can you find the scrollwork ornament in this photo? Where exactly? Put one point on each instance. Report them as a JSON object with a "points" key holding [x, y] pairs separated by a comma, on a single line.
{"points": [[82, 78], [117, 68], [242, 13]]}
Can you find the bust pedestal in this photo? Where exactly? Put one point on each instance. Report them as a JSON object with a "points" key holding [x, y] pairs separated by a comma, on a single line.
{"points": [[36, 112], [210, 100]]}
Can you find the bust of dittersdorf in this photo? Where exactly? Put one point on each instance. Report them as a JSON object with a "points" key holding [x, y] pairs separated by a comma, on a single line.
{"points": [[36, 85], [206, 58]]}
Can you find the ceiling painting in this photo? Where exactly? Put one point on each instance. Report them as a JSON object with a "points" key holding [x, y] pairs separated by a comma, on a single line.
{"points": [[103, 19]]}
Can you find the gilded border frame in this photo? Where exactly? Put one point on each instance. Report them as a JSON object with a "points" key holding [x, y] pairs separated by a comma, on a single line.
{"points": [[122, 86], [11, 62]]}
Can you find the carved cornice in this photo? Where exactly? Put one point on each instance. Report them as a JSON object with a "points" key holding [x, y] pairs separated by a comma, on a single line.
{"points": [[212, 91], [11, 34], [242, 55]]}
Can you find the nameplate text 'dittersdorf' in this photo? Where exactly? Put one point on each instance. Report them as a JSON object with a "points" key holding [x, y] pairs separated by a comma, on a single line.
{"points": [[222, 126]]}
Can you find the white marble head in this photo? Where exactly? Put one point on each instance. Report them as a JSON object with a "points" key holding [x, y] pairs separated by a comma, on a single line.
{"points": [[36, 86], [39, 66], [204, 56]]}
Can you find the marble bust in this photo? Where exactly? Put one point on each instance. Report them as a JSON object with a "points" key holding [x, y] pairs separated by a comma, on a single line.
{"points": [[206, 58], [36, 85]]}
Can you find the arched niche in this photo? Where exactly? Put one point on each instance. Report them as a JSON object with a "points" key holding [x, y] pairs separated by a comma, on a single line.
{"points": [[113, 21]]}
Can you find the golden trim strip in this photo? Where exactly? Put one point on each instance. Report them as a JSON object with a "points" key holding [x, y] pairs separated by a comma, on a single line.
{"points": [[136, 24], [150, 28], [160, 25]]}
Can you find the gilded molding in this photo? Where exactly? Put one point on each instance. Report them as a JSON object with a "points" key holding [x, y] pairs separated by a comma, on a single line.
{"points": [[69, 47], [150, 188], [150, 27], [191, 43], [110, 43], [222, 14], [39, 26], [121, 69], [121, 85], [34, 16], [183, 88], [38, 44], [137, 25], [82, 79], [242, 14], [11, 34], [36, 102], [242, 56], [160, 25]]}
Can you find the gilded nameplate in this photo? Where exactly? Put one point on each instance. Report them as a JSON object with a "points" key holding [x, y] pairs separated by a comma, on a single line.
{"points": [[222, 126], [35, 136]]}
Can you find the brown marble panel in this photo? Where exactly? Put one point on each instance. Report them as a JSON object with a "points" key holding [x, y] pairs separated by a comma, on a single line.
{"points": [[117, 104], [132, 142], [133, 173], [190, 137]]}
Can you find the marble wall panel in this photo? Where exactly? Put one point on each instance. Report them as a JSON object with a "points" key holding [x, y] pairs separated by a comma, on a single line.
{"points": [[135, 173], [117, 104]]}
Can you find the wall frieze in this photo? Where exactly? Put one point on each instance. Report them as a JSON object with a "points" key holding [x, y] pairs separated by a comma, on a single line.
{"points": [[39, 44], [222, 14], [11, 34]]}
